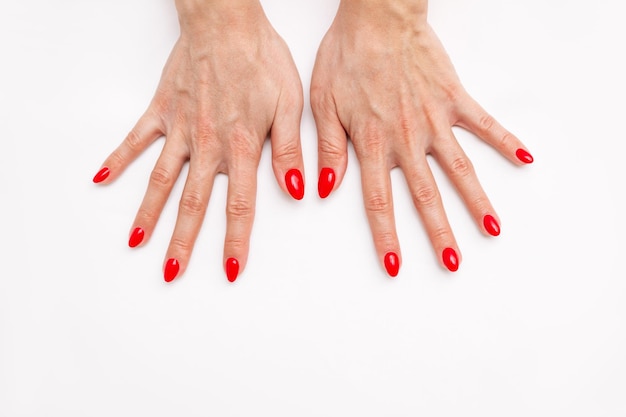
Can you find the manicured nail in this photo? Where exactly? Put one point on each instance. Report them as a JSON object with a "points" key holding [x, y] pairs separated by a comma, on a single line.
{"points": [[295, 183], [171, 269], [491, 225], [392, 264], [450, 259], [232, 269], [136, 237], [326, 182], [101, 175], [524, 156]]}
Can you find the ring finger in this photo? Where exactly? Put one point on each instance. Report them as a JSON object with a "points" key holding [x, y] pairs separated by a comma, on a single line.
{"points": [[428, 203]]}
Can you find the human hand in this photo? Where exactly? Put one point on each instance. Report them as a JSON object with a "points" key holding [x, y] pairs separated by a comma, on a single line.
{"points": [[229, 81], [383, 78]]}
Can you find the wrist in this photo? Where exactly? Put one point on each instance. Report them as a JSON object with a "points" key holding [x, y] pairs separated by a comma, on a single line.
{"points": [[388, 14], [233, 14]]}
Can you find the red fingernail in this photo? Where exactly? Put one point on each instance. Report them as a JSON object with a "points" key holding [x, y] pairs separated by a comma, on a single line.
{"points": [[524, 156], [326, 182], [295, 183], [491, 225], [392, 264], [232, 269], [136, 237], [171, 270], [101, 175], [450, 259]]}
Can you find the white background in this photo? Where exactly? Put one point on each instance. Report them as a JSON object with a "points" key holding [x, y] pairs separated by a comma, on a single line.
{"points": [[534, 322]]}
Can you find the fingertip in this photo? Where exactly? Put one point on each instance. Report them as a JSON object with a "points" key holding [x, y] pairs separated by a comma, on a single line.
{"points": [[524, 156], [392, 264], [450, 259], [136, 237], [491, 225], [295, 183], [326, 182], [102, 175], [171, 270], [231, 267]]}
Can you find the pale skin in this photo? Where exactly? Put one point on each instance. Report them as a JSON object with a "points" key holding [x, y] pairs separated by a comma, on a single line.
{"points": [[229, 82], [381, 79]]}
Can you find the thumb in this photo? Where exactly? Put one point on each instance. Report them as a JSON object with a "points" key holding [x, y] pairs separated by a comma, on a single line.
{"points": [[286, 148], [332, 145]]}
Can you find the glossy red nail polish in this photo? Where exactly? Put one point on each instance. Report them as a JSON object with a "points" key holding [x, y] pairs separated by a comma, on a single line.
{"points": [[295, 183], [524, 156], [136, 237], [171, 269], [326, 182], [450, 259], [232, 269], [392, 264], [491, 225], [102, 175]]}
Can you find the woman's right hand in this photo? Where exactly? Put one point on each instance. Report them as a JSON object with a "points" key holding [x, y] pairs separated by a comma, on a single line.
{"points": [[229, 82]]}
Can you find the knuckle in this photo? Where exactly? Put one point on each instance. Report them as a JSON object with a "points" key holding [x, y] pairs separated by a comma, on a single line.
{"points": [[286, 153], [377, 203], [242, 147], [440, 235], [181, 245], [147, 217], [320, 100], [454, 91], [461, 167], [133, 141], [505, 139], [486, 122], [408, 129], [234, 242], [294, 100], [330, 149], [372, 149], [160, 104], [161, 178], [191, 204], [180, 118], [480, 203], [384, 239], [425, 196], [117, 158], [204, 135], [239, 207]]}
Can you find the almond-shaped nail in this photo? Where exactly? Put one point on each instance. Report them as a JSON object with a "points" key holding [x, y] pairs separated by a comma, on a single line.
{"points": [[326, 182], [136, 237], [524, 156], [392, 264], [171, 269], [102, 175], [450, 259], [232, 269], [295, 183], [491, 225]]}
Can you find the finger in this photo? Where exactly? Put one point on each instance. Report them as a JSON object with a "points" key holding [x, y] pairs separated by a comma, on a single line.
{"points": [[162, 180], [460, 170], [145, 132], [239, 216], [286, 149], [427, 201], [332, 145], [191, 211], [378, 203], [477, 120]]}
